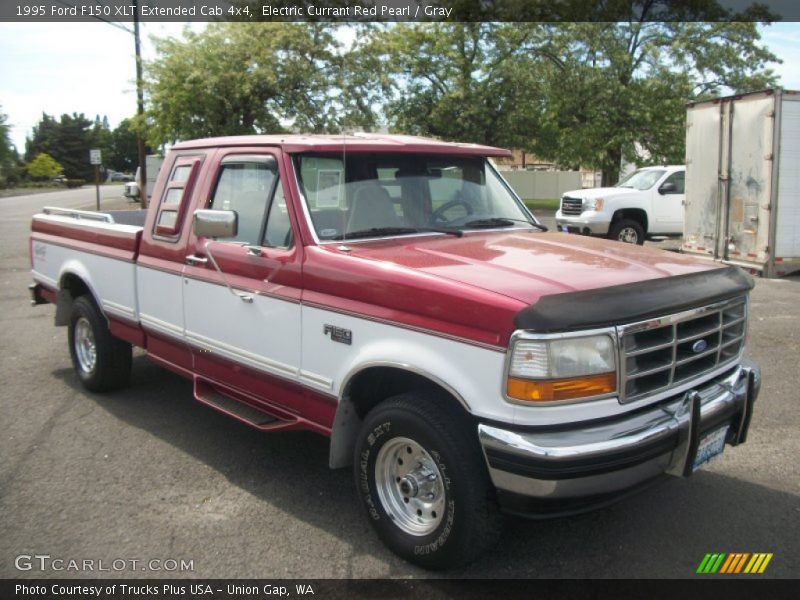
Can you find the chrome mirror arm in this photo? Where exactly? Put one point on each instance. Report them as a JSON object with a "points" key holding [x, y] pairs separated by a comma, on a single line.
{"points": [[241, 295]]}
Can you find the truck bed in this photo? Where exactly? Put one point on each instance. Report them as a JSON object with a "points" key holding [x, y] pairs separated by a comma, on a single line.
{"points": [[100, 249]]}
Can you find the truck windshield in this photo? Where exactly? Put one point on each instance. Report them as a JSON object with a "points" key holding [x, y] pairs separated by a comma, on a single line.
{"points": [[364, 195], [643, 179]]}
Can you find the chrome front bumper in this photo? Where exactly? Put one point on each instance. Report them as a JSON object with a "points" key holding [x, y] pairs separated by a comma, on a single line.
{"points": [[551, 470], [583, 225]]}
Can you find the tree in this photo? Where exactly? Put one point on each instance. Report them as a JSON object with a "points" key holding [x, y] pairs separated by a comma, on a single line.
{"points": [[43, 166], [8, 154], [459, 81], [619, 90], [122, 153], [243, 78], [579, 94], [68, 140]]}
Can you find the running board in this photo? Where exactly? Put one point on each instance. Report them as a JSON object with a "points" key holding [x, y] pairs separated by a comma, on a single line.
{"points": [[226, 403]]}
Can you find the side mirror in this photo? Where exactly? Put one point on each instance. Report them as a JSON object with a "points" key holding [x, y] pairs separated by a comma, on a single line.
{"points": [[667, 188], [215, 223]]}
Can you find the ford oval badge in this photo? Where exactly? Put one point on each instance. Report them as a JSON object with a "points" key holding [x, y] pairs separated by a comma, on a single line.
{"points": [[699, 346]]}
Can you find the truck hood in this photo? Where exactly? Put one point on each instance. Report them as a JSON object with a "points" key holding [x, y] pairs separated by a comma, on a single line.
{"points": [[526, 265], [606, 192]]}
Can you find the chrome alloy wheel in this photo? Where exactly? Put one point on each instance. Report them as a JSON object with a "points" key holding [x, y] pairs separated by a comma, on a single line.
{"points": [[410, 486], [628, 235], [85, 347]]}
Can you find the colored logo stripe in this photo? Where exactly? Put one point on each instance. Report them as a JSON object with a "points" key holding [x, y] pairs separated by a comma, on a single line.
{"points": [[734, 563]]}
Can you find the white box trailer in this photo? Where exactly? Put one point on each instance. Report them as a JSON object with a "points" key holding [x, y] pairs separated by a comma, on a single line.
{"points": [[743, 181]]}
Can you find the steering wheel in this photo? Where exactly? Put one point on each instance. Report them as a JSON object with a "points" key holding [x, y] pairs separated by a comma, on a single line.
{"points": [[438, 214]]}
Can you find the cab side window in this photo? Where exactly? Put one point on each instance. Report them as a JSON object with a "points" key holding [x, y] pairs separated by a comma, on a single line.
{"points": [[279, 229], [678, 179], [251, 187], [245, 188]]}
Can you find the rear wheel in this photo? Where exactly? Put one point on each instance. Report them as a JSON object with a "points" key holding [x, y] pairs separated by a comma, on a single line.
{"points": [[101, 361], [628, 231], [422, 479]]}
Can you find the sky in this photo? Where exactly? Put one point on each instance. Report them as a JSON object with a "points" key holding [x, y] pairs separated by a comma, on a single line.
{"points": [[61, 68]]}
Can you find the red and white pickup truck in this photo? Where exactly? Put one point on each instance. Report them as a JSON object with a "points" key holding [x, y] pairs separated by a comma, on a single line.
{"points": [[394, 294]]}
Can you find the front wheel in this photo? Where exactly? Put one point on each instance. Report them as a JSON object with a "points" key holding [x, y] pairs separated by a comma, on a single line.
{"points": [[628, 231], [423, 481], [101, 361]]}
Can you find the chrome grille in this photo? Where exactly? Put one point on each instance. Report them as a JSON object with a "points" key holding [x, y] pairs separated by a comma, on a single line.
{"points": [[571, 206], [662, 353]]}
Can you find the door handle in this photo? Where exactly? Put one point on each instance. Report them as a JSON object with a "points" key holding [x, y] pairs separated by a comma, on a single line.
{"points": [[195, 260]]}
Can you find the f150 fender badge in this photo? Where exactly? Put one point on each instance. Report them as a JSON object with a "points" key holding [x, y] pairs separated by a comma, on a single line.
{"points": [[699, 346], [338, 334]]}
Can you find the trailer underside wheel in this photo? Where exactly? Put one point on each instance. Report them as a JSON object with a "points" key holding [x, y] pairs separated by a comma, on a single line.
{"points": [[101, 361]]}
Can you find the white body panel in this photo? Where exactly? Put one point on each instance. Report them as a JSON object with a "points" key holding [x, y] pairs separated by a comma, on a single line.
{"points": [[160, 301], [112, 281], [474, 373], [263, 334]]}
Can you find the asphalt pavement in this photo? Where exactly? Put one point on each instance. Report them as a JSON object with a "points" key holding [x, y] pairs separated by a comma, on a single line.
{"points": [[149, 474]]}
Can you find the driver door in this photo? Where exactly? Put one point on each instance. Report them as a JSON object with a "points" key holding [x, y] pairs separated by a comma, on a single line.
{"points": [[243, 318], [668, 204]]}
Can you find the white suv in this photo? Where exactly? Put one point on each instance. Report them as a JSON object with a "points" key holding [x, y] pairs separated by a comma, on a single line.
{"points": [[648, 201]]}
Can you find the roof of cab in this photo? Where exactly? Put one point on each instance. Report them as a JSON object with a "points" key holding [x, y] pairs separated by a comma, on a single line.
{"points": [[358, 142]]}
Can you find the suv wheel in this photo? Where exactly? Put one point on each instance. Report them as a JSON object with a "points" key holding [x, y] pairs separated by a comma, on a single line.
{"points": [[628, 231]]}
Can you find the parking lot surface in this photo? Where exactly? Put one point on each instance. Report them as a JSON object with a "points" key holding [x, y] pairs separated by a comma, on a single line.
{"points": [[149, 474]]}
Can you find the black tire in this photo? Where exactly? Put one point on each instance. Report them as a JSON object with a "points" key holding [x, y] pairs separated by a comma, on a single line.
{"points": [[111, 367], [469, 522], [627, 231]]}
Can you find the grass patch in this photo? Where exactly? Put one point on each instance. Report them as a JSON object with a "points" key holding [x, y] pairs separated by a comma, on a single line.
{"points": [[543, 204]]}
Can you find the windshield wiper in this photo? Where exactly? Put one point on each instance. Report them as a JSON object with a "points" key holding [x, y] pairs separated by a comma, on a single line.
{"points": [[501, 222], [379, 231]]}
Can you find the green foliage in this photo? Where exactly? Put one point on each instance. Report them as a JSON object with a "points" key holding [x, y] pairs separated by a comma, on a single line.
{"points": [[74, 183], [458, 81], [244, 78], [576, 93], [68, 140], [619, 90], [43, 166], [122, 151], [8, 154], [579, 94]]}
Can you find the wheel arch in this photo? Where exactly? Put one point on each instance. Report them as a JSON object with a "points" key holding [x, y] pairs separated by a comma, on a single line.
{"points": [[73, 282], [366, 386], [636, 214]]}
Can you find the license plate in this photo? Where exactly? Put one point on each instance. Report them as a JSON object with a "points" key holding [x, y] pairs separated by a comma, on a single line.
{"points": [[710, 447]]}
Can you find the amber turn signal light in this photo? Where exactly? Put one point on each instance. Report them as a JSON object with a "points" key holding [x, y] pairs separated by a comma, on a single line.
{"points": [[571, 388]]}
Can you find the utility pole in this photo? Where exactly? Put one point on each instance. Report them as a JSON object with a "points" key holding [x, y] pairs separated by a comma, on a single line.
{"points": [[140, 109]]}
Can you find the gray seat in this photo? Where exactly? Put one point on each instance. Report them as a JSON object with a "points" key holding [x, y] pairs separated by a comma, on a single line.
{"points": [[372, 208]]}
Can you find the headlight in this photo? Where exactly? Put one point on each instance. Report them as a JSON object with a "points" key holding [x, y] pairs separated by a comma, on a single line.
{"points": [[593, 204], [562, 369]]}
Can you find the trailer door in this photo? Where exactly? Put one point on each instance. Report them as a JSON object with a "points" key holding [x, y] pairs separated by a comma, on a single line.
{"points": [[751, 157], [787, 225], [705, 127]]}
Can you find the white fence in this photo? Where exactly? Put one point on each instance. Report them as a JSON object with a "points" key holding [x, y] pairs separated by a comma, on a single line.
{"points": [[539, 185]]}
